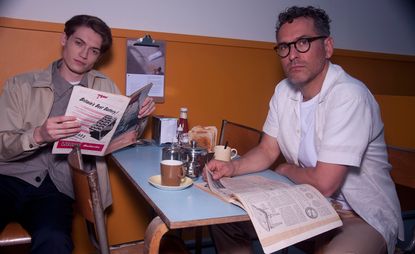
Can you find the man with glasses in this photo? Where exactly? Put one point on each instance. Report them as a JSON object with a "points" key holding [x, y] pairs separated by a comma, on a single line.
{"points": [[328, 127]]}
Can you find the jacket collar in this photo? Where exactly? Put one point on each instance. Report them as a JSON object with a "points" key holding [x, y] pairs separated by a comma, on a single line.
{"points": [[44, 78]]}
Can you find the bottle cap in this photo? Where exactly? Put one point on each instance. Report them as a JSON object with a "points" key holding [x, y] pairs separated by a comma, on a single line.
{"points": [[183, 109]]}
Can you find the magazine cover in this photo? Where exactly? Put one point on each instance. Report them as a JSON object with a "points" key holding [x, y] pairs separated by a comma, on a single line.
{"points": [[130, 126], [107, 120]]}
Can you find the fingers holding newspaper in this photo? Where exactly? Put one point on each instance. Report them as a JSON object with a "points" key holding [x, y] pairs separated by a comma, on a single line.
{"points": [[218, 169], [147, 108], [55, 128]]}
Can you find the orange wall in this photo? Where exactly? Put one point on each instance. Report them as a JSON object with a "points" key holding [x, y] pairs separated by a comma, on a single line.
{"points": [[390, 78], [216, 79]]}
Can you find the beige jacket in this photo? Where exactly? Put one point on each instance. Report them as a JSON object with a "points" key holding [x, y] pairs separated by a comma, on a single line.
{"points": [[25, 104]]}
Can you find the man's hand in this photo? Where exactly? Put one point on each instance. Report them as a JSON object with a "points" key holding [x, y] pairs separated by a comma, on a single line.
{"points": [[147, 108], [219, 169], [55, 128]]}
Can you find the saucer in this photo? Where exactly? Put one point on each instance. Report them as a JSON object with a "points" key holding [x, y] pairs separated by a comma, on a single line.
{"points": [[156, 182]]}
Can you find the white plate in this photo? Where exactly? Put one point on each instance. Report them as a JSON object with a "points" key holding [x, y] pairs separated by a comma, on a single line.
{"points": [[156, 182]]}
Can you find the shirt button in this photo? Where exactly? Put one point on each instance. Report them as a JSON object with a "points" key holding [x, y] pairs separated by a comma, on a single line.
{"points": [[38, 179], [31, 146]]}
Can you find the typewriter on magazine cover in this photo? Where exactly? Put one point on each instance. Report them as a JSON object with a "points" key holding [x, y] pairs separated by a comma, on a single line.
{"points": [[101, 128]]}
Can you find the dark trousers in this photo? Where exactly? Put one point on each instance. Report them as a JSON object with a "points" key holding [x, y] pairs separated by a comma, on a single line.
{"points": [[44, 212]]}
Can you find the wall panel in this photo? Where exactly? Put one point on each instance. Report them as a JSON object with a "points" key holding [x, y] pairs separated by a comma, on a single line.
{"points": [[216, 79]]}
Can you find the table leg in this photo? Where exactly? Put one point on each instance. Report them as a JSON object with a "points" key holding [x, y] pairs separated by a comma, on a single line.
{"points": [[198, 239], [155, 231]]}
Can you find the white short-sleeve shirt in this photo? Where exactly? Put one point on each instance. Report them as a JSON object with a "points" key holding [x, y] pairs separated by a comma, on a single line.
{"points": [[348, 131]]}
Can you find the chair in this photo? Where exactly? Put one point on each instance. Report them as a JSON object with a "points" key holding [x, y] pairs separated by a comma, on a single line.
{"points": [[403, 174], [13, 235], [239, 136], [243, 138], [89, 204]]}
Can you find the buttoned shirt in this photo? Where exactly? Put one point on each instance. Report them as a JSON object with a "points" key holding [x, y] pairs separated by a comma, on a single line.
{"points": [[348, 131]]}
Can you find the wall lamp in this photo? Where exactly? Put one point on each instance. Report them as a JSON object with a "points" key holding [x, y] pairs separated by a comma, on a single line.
{"points": [[146, 41]]}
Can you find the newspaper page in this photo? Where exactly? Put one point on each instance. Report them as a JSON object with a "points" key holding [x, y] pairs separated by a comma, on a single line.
{"points": [[101, 115], [225, 188], [282, 214]]}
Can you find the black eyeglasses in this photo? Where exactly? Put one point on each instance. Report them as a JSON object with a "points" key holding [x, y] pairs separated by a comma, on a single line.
{"points": [[302, 45]]}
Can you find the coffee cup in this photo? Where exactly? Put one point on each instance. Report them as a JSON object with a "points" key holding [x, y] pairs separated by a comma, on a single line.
{"points": [[224, 154], [173, 172]]}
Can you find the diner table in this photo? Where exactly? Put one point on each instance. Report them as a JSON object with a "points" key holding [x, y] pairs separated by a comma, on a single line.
{"points": [[189, 207]]}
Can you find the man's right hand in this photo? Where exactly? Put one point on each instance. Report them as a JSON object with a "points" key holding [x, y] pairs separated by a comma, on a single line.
{"points": [[55, 128], [219, 169]]}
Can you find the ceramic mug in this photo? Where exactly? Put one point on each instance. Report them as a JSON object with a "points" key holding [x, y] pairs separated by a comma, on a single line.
{"points": [[172, 172], [220, 153]]}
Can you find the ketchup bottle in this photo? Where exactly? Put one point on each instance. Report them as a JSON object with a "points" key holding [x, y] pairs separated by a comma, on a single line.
{"points": [[183, 120]]}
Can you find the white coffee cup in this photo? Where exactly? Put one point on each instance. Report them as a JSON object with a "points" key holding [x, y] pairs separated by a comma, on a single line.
{"points": [[220, 153]]}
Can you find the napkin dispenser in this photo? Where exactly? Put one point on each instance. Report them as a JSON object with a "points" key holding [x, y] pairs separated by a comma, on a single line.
{"points": [[164, 129]]}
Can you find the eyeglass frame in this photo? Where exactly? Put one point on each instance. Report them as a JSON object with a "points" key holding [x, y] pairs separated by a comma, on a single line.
{"points": [[308, 39]]}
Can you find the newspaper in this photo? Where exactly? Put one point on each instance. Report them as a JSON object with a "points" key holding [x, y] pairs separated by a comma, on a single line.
{"points": [[108, 121], [282, 214]]}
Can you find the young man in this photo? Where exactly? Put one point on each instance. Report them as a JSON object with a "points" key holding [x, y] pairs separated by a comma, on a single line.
{"points": [[36, 185], [328, 127]]}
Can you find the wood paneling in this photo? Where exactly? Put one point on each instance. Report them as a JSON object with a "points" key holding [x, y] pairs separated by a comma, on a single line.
{"points": [[383, 74]]}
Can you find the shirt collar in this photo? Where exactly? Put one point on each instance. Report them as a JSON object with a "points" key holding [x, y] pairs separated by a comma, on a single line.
{"points": [[328, 83], [55, 73]]}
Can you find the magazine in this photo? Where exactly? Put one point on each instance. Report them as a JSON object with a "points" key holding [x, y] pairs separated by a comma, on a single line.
{"points": [[281, 213], [108, 121]]}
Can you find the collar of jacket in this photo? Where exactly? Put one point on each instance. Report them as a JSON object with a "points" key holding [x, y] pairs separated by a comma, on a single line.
{"points": [[44, 78]]}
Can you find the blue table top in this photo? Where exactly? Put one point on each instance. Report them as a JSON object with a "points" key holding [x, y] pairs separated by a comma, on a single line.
{"points": [[180, 208]]}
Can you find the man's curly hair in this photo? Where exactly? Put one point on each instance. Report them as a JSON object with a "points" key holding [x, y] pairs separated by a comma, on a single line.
{"points": [[321, 19]]}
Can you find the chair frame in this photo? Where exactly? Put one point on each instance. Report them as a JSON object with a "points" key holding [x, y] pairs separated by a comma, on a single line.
{"points": [[251, 136], [403, 174], [87, 191], [89, 204], [14, 234]]}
